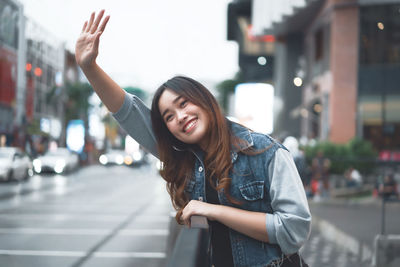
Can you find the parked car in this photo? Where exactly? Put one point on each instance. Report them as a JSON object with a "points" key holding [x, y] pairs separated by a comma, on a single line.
{"points": [[14, 164], [59, 161]]}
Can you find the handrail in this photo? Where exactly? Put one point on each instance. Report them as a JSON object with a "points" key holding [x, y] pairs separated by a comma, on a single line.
{"points": [[190, 249]]}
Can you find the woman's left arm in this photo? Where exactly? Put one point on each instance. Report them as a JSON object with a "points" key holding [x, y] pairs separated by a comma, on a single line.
{"points": [[288, 226], [246, 222]]}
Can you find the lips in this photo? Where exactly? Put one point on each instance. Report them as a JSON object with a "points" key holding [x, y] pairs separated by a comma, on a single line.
{"points": [[189, 125]]}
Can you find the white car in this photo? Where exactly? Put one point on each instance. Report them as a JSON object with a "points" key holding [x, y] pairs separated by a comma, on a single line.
{"points": [[59, 160], [113, 156], [14, 164]]}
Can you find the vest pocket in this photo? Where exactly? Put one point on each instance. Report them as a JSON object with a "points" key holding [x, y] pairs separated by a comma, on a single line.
{"points": [[252, 191]]}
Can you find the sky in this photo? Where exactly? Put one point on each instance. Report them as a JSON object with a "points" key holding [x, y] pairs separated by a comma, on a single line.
{"points": [[147, 42]]}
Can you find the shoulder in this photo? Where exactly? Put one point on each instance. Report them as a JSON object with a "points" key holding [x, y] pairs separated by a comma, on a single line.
{"points": [[263, 141]]}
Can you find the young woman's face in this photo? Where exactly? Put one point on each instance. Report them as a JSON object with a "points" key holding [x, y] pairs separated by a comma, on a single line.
{"points": [[186, 121]]}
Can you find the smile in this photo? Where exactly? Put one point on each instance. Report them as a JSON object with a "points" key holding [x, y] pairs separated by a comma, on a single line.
{"points": [[189, 126]]}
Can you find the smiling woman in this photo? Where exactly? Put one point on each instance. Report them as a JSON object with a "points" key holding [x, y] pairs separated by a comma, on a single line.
{"points": [[244, 183]]}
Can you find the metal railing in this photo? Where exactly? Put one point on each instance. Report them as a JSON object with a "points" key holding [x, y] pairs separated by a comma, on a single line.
{"points": [[190, 249]]}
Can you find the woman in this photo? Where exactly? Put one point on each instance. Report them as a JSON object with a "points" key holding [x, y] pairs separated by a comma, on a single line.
{"points": [[244, 183]]}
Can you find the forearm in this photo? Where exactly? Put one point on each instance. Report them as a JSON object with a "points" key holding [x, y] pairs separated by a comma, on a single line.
{"points": [[110, 93], [246, 222]]}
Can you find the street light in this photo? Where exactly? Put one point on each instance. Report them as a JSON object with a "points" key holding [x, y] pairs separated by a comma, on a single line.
{"points": [[298, 81]]}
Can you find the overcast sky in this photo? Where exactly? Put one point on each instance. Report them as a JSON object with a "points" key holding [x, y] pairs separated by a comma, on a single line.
{"points": [[148, 41]]}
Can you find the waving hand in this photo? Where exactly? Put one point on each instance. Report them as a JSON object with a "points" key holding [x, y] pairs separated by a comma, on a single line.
{"points": [[87, 45]]}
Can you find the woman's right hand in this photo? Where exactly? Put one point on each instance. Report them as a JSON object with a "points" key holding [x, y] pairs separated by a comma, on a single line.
{"points": [[87, 45]]}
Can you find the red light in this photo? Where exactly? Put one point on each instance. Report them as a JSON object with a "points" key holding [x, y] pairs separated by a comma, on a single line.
{"points": [[263, 38], [38, 72], [28, 67], [267, 38]]}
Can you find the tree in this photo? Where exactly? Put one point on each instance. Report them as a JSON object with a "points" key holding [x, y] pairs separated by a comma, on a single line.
{"points": [[77, 102], [227, 87], [136, 91]]}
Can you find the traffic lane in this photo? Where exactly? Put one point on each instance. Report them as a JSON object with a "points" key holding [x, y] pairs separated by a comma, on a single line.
{"points": [[35, 183], [361, 221], [319, 251], [91, 214], [137, 261]]}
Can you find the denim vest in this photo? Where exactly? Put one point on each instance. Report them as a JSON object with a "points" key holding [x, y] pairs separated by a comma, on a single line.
{"points": [[250, 185]]}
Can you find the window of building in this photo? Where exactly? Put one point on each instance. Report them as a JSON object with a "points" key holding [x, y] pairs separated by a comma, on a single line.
{"points": [[319, 45], [379, 34]]}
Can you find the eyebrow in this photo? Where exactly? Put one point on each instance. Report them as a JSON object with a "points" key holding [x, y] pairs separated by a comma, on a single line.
{"points": [[175, 100]]}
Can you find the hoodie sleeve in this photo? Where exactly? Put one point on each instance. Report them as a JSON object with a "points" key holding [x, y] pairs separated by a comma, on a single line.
{"points": [[290, 224], [134, 117]]}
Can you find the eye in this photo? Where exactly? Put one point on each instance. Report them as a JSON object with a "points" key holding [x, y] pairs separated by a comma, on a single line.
{"points": [[183, 103], [168, 118]]}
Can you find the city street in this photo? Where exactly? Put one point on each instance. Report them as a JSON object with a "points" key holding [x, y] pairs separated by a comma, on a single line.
{"points": [[98, 216]]}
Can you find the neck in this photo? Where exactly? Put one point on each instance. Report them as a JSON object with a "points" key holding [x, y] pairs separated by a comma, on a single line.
{"points": [[203, 145]]}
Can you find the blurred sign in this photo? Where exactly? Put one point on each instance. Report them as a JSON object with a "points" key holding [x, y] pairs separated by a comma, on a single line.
{"points": [[254, 106], [76, 135]]}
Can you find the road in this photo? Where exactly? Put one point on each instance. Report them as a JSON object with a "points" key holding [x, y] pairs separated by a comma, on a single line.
{"points": [[97, 216], [343, 232], [119, 216]]}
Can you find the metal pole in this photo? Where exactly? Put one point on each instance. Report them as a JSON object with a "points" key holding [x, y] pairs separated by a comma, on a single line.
{"points": [[383, 216]]}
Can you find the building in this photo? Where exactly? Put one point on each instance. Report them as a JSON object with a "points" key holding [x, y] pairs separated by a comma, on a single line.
{"points": [[44, 97], [344, 58], [255, 53], [12, 56], [261, 56]]}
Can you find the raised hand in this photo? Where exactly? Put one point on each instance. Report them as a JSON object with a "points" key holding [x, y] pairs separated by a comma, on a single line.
{"points": [[87, 45]]}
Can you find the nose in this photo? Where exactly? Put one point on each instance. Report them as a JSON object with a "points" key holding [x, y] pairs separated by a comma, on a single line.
{"points": [[181, 116]]}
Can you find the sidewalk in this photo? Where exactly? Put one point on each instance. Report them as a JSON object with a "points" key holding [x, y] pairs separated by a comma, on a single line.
{"points": [[353, 224]]}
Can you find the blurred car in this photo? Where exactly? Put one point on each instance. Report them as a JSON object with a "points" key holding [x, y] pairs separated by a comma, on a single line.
{"points": [[59, 161], [113, 156], [14, 164], [136, 158], [135, 154]]}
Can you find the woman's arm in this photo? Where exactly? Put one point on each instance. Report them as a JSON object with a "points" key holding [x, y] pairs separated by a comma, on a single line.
{"points": [[246, 222], [290, 223], [131, 113], [86, 51], [288, 226]]}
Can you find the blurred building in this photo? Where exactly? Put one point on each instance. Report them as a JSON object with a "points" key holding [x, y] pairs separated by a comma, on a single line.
{"points": [[259, 61], [336, 67], [44, 79], [255, 52], [12, 56]]}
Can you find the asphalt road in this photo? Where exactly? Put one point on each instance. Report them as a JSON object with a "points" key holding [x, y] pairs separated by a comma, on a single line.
{"points": [[119, 216], [97, 216]]}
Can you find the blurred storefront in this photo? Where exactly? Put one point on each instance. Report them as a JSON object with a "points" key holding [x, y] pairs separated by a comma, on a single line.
{"points": [[336, 70]]}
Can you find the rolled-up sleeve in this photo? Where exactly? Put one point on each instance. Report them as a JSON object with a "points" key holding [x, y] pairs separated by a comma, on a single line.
{"points": [[290, 223], [134, 117]]}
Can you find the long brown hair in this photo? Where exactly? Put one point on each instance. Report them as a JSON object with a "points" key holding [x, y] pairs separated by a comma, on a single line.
{"points": [[178, 161]]}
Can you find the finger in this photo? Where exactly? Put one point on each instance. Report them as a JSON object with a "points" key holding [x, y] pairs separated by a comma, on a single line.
{"points": [[97, 40], [104, 23], [84, 26], [90, 22], [97, 21]]}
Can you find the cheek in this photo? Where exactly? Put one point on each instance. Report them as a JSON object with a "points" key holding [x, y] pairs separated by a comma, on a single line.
{"points": [[171, 128]]}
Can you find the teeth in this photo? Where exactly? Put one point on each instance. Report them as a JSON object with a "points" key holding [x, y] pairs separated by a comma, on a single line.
{"points": [[189, 125]]}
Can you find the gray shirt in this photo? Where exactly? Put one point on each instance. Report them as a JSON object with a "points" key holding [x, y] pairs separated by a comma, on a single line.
{"points": [[286, 226]]}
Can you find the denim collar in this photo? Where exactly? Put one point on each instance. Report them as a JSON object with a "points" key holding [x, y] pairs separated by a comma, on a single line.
{"points": [[242, 133]]}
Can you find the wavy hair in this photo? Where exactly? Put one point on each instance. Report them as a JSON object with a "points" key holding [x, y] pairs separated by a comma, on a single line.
{"points": [[177, 159]]}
